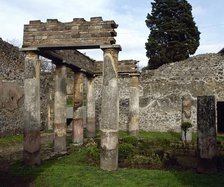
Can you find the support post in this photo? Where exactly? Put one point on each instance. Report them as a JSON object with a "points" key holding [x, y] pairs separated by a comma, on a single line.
{"points": [[206, 137], [90, 126], [31, 142], [60, 110], [110, 109], [77, 128], [133, 125]]}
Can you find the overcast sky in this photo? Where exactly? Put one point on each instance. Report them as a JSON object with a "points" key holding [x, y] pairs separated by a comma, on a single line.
{"points": [[132, 32]]}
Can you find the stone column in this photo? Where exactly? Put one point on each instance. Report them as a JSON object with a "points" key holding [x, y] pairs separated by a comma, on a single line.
{"points": [[60, 110], [110, 109], [133, 125], [187, 102], [84, 101], [50, 111], [206, 136], [31, 144], [77, 127], [90, 126]]}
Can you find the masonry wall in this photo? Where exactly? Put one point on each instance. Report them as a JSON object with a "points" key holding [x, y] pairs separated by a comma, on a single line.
{"points": [[124, 92], [11, 90], [160, 105], [161, 91]]}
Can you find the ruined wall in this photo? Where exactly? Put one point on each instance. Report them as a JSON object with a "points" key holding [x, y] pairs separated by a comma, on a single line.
{"points": [[163, 89], [11, 90]]}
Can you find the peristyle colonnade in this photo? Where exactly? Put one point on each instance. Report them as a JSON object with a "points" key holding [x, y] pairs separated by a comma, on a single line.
{"points": [[59, 42]]}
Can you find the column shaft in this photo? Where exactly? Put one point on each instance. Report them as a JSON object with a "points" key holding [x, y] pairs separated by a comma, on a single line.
{"points": [[110, 110], [31, 144], [90, 126], [78, 109], [133, 125], [60, 110]]}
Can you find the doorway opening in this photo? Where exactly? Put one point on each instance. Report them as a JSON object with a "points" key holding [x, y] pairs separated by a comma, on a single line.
{"points": [[220, 117]]}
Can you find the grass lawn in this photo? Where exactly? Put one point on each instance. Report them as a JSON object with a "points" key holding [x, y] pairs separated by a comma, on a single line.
{"points": [[11, 140], [70, 171], [76, 170]]}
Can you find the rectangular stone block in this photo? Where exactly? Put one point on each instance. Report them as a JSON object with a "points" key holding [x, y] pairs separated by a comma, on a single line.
{"points": [[207, 145], [55, 33]]}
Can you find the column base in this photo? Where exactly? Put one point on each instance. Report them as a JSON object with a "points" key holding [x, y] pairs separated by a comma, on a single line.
{"points": [[31, 159], [133, 132], [109, 150], [90, 128], [133, 126], [31, 147], [207, 166], [77, 134], [60, 144]]}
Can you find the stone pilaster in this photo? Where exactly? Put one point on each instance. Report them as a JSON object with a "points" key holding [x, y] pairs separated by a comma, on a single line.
{"points": [[31, 144], [60, 110], [206, 136], [110, 109], [90, 126], [133, 125], [78, 109]]}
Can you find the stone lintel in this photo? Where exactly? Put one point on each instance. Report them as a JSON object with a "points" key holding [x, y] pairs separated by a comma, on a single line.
{"points": [[27, 49], [134, 74], [72, 58], [113, 46]]}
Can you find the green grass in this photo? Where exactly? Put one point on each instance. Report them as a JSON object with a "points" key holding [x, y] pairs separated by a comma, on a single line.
{"points": [[69, 171], [77, 168], [10, 140]]}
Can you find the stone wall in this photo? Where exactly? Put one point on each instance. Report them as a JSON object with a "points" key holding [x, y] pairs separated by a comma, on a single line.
{"points": [[123, 83], [11, 90], [163, 88], [161, 91]]}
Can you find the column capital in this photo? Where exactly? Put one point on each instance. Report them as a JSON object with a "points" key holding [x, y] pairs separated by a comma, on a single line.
{"points": [[114, 46]]}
